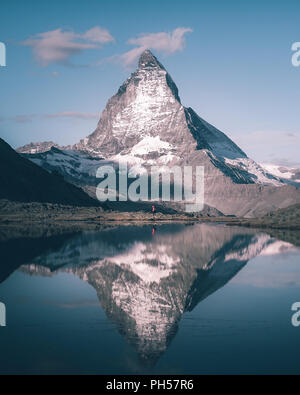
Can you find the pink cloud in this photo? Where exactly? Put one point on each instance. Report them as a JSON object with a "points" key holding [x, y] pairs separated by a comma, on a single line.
{"points": [[166, 43], [58, 46], [64, 114], [72, 114]]}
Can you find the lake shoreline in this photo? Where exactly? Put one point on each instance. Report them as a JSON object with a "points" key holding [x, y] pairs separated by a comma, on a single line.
{"points": [[17, 214]]}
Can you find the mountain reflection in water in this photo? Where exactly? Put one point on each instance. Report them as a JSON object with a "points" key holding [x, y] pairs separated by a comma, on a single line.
{"points": [[146, 278]]}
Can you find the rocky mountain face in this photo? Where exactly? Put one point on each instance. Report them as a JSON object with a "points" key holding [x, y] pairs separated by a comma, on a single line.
{"points": [[24, 181], [146, 124], [146, 281], [34, 148]]}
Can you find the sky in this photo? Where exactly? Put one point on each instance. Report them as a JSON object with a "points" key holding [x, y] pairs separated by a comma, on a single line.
{"points": [[232, 63]]}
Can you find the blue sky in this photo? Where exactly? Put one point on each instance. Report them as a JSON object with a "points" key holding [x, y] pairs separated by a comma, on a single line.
{"points": [[230, 60]]}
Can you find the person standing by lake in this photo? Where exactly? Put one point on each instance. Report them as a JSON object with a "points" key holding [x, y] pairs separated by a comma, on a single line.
{"points": [[153, 210]]}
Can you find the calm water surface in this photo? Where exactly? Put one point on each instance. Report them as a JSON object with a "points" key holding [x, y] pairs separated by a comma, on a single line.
{"points": [[173, 299]]}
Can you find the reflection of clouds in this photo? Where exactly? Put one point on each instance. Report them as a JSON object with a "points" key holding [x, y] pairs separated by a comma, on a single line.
{"points": [[278, 247], [76, 305], [272, 271]]}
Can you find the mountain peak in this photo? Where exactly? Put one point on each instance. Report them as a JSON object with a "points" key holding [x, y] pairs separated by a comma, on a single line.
{"points": [[148, 60]]}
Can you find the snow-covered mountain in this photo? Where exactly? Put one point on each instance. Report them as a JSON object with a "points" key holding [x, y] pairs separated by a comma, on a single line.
{"points": [[144, 123]]}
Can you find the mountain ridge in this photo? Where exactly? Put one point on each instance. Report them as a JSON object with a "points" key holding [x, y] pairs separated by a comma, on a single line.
{"points": [[24, 181]]}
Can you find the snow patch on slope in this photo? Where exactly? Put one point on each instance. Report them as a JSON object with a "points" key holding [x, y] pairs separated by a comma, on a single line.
{"points": [[159, 152], [259, 175], [68, 163], [149, 144], [289, 173]]}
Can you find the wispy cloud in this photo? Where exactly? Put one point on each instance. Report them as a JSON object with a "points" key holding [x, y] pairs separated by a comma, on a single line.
{"points": [[286, 162], [58, 46], [166, 43], [64, 114], [72, 114], [271, 146], [98, 35]]}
